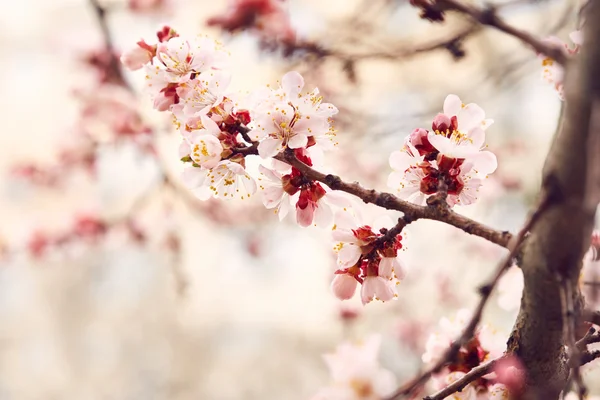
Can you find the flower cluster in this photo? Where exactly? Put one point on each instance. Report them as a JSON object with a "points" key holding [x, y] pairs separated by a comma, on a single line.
{"points": [[188, 78], [368, 256], [484, 346], [290, 128], [356, 373], [448, 158], [553, 72]]}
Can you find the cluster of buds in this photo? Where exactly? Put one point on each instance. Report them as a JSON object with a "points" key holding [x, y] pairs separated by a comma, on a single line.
{"points": [[553, 72], [447, 159]]}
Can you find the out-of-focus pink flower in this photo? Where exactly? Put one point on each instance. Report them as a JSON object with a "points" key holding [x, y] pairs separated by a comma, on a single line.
{"points": [[356, 373], [38, 244], [510, 372], [136, 57], [343, 286], [267, 17], [146, 5], [89, 227], [552, 71]]}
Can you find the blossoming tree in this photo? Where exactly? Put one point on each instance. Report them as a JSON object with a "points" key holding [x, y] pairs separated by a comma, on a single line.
{"points": [[288, 130]]}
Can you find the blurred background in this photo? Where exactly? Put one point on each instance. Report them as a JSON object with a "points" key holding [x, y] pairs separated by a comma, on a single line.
{"points": [[116, 283]]}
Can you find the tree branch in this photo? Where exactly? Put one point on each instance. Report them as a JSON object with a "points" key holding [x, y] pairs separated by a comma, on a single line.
{"points": [[558, 242], [485, 291], [488, 16], [461, 383]]}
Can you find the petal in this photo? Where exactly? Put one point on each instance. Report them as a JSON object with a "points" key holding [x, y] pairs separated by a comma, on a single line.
{"points": [[292, 83], [386, 267], [452, 105], [348, 256], [194, 177], [485, 162], [297, 141], [304, 217], [477, 136], [284, 207], [210, 125], [343, 286], [269, 147], [323, 215], [401, 160], [272, 196], [470, 117], [270, 174]]}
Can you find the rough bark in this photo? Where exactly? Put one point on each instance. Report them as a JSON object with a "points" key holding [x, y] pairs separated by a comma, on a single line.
{"points": [[554, 250]]}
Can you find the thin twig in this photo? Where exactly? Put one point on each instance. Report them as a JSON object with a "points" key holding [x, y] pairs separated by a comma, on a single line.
{"points": [[485, 291], [488, 16], [589, 356], [591, 316], [460, 384], [591, 336], [115, 73]]}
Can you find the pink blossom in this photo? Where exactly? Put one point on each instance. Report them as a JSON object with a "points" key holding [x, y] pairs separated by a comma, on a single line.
{"points": [[356, 373], [226, 180], [283, 118], [377, 287], [136, 57], [343, 286], [267, 17]]}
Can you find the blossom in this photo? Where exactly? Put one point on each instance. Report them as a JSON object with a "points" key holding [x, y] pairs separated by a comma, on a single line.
{"points": [[227, 179], [201, 94], [343, 286], [552, 71], [276, 190], [450, 154], [363, 257], [179, 58], [356, 373], [136, 57], [408, 174], [283, 118]]}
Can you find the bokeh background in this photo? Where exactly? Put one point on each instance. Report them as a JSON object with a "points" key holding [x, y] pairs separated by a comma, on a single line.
{"points": [[219, 300]]}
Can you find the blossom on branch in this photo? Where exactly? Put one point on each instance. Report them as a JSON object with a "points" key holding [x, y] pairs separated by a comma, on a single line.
{"points": [[366, 257], [451, 156]]}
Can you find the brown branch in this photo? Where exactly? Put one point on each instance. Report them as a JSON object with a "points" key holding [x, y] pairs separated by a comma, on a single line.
{"points": [[488, 16], [461, 383], [115, 72], [591, 316], [591, 336], [412, 212], [485, 291], [559, 241], [589, 356]]}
